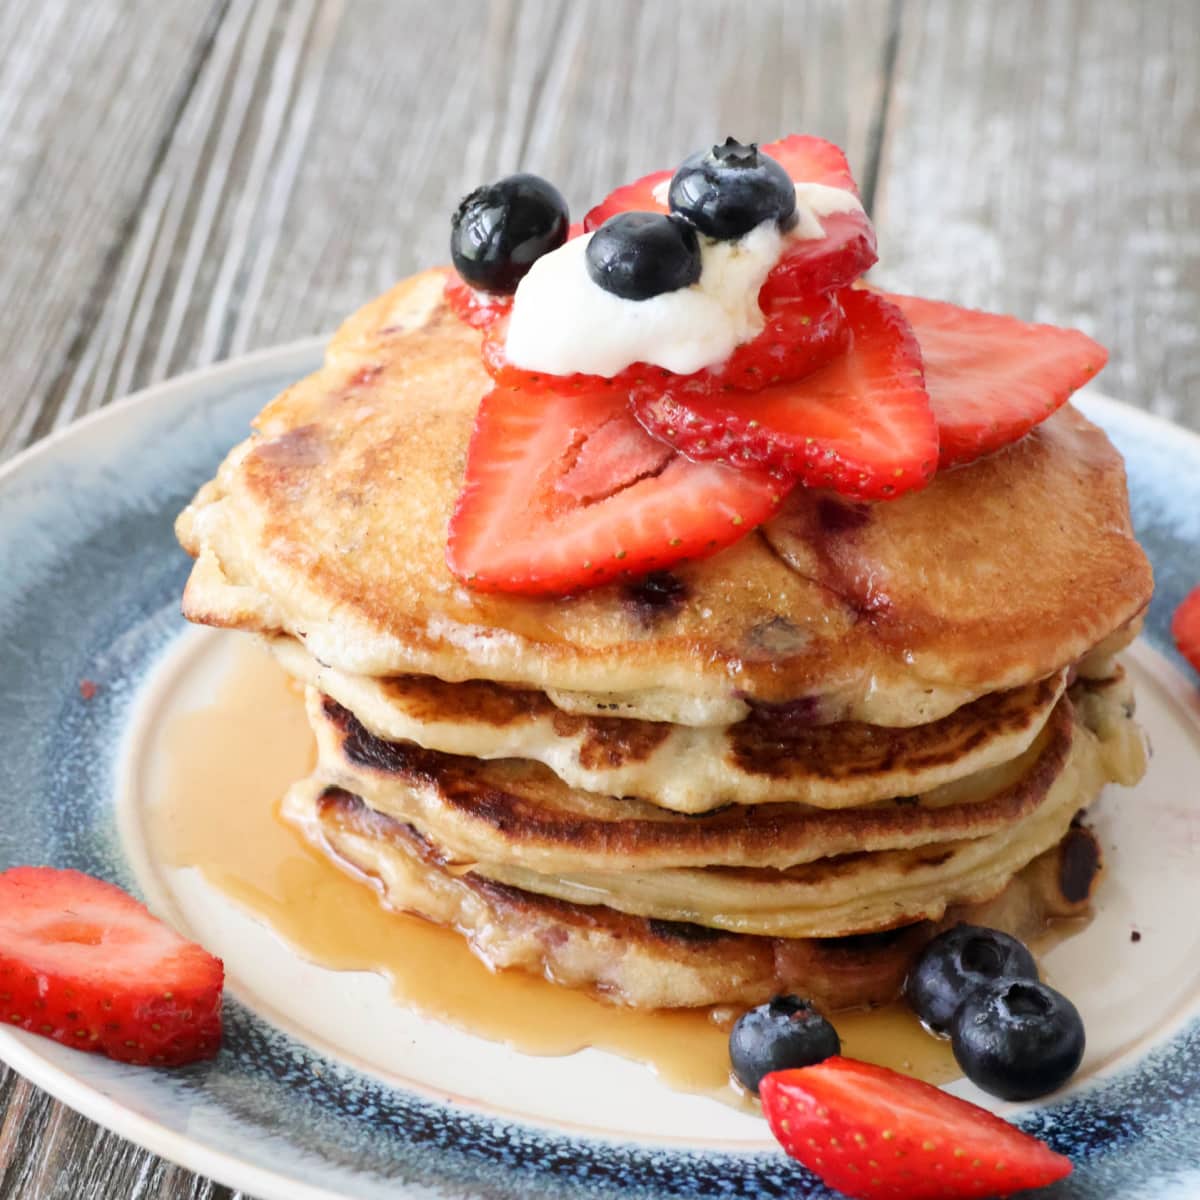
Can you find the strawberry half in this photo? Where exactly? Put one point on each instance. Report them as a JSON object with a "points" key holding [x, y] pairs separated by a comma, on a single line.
{"points": [[798, 336], [87, 965], [992, 378], [564, 492], [808, 265], [1185, 627], [877, 1135], [862, 425]]}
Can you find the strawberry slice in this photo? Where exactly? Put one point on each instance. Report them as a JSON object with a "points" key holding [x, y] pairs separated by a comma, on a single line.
{"points": [[87, 965], [567, 491], [877, 1135], [862, 425], [808, 265], [992, 378], [799, 335], [1185, 627], [479, 309]]}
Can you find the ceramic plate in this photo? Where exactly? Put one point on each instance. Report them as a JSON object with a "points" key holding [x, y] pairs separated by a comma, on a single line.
{"points": [[325, 1088]]}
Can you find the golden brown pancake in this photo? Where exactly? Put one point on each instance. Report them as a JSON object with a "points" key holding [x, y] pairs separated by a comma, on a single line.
{"points": [[329, 524], [657, 964], [780, 870], [770, 757]]}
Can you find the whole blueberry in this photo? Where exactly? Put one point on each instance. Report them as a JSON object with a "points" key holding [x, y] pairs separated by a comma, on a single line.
{"points": [[728, 190], [637, 255], [958, 961], [501, 229], [1017, 1038], [784, 1033]]}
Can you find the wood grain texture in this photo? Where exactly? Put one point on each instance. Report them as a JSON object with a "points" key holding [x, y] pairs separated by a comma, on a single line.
{"points": [[258, 168], [1042, 157]]}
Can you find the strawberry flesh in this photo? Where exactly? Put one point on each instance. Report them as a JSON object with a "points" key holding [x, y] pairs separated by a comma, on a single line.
{"points": [[84, 963], [861, 425], [992, 378], [478, 309], [567, 491], [807, 265], [877, 1135], [1185, 627]]}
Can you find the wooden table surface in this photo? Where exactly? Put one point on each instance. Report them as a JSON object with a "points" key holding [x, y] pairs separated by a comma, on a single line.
{"points": [[182, 182]]}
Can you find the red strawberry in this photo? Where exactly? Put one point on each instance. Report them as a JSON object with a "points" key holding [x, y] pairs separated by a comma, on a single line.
{"points": [[478, 309], [992, 378], [1185, 627], [817, 264], [567, 491], [87, 965], [878, 1135], [861, 425], [798, 336]]}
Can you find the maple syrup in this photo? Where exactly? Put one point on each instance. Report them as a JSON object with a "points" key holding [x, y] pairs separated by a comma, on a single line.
{"points": [[228, 766]]}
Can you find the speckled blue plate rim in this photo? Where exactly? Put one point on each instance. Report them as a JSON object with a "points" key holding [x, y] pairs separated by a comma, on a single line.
{"points": [[89, 589]]}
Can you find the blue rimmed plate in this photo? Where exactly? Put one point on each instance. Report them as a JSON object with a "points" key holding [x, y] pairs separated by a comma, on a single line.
{"points": [[89, 589]]}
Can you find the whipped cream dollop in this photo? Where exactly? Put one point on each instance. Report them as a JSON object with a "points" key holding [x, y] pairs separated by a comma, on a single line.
{"points": [[563, 322]]}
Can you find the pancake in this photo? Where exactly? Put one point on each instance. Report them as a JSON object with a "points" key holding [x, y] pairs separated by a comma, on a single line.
{"points": [[771, 757], [656, 964], [782, 870], [329, 524]]}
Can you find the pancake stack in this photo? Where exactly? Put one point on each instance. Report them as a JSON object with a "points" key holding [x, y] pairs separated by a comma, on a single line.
{"points": [[779, 769]]}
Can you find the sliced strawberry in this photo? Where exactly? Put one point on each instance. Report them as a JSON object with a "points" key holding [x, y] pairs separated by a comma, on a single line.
{"points": [[861, 425], [1185, 627], [877, 1135], [807, 265], [567, 491], [992, 378], [87, 965], [478, 309], [798, 337]]}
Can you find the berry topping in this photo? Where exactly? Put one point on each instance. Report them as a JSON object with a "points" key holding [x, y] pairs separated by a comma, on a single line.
{"points": [[786, 1032], [501, 229], [478, 309], [636, 255], [1185, 627], [728, 190], [1017, 1038], [798, 336], [957, 962], [992, 378], [564, 492], [878, 1135], [85, 964], [808, 264], [861, 425]]}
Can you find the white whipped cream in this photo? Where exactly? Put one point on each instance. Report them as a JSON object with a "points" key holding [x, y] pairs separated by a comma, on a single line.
{"points": [[563, 322]]}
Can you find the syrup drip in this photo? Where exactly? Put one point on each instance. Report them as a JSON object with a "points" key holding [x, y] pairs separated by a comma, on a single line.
{"points": [[228, 767]]}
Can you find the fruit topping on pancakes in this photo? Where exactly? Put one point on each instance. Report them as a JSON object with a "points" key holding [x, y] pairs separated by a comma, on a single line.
{"points": [[719, 306]]}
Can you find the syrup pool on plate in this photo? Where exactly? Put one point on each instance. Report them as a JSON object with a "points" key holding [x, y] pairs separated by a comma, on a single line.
{"points": [[227, 767]]}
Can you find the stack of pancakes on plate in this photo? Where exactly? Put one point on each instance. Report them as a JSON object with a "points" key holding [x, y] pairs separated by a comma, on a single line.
{"points": [[782, 768]]}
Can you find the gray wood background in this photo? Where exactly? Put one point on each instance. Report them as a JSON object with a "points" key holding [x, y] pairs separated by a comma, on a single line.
{"points": [[184, 180]]}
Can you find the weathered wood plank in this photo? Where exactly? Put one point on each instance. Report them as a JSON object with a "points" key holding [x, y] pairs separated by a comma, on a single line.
{"points": [[1042, 157], [88, 95], [310, 170]]}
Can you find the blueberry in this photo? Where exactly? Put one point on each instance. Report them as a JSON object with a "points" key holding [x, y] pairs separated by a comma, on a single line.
{"points": [[1017, 1038], [786, 1032], [728, 190], [958, 961], [501, 229], [637, 255]]}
